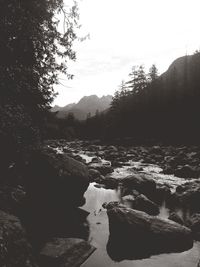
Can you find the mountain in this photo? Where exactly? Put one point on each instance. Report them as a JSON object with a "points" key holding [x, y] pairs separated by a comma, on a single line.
{"points": [[184, 71], [87, 104]]}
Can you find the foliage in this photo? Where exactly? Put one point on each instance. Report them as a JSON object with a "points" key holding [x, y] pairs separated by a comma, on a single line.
{"points": [[32, 53]]}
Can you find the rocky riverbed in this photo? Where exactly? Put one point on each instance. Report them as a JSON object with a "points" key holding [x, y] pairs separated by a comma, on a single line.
{"points": [[162, 181], [89, 204]]}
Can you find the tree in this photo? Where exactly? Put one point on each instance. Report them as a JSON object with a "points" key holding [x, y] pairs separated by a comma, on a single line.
{"points": [[138, 79], [133, 77], [32, 53], [153, 73]]}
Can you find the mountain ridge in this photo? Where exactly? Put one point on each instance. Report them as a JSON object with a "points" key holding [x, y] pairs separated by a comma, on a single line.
{"points": [[87, 104]]}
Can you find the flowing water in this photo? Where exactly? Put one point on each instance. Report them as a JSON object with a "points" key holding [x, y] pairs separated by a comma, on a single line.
{"points": [[98, 220]]}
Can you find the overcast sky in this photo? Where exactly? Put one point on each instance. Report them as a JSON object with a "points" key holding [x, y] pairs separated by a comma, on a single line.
{"points": [[124, 33]]}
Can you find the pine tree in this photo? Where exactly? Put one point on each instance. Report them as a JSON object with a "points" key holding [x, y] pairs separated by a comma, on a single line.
{"points": [[32, 53], [153, 73]]}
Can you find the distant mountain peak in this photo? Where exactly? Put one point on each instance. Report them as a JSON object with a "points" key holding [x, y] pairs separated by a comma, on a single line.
{"points": [[87, 104]]}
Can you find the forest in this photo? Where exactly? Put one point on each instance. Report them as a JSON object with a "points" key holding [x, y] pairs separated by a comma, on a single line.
{"points": [[147, 107]]}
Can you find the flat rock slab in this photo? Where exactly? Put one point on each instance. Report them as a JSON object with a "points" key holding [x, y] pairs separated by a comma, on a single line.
{"points": [[65, 252]]}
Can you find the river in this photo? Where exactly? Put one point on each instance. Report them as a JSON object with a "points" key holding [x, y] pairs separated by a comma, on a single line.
{"points": [[98, 220]]}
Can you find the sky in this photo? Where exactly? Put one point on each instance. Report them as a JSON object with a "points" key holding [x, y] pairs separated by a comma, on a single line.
{"points": [[124, 33]]}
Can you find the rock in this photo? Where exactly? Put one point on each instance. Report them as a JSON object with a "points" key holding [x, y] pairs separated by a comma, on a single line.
{"points": [[15, 250], [128, 198], [78, 158], [156, 150], [112, 155], [110, 183], [56, 181], [96, 160], [112, 148], [168, 170], [135, 234], [99, 186], [179, 189], [55, 187], [101, 167], [187, 196], [144, 204], [141, 182], [65, 252], [186, 172], [113, 204], [94, 174], [176, 218], [162, 193], [194, 224]]}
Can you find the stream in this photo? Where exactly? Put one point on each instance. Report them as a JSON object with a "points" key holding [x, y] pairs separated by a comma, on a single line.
{"points": [[99, 232], [98, 220]]}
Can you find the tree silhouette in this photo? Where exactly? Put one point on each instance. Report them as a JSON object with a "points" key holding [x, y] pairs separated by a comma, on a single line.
{"points": [[32, 53]]}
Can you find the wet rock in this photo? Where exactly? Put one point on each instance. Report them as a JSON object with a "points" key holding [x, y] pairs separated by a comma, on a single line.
{"points": [[78, 157], [113, 204], [162, 193], [186, 172], [188, 196], [176, 218], [112, 155], [135, 234], [99, 186], [194, 224], [94, 174], [65, 252], [142, 203], [100, 179], [116, 164], [143, 183], [15, 250], [112, 148], [168, 170], [96, 160], [179, 189], [100, 153], [101, 167], [110, 183], [128, 198]]}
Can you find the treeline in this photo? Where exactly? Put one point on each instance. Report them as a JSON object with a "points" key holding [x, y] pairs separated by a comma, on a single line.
{"points": [[33, 52], [151, 107]]}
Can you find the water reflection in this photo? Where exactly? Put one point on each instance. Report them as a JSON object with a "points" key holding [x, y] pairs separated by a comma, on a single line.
{"points": [[99, 235]]}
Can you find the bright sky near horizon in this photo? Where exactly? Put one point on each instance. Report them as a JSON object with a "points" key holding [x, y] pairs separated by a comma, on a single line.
{"points": [[124, 33]]}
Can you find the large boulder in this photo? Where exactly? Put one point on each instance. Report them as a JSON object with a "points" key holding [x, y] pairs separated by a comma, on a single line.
{"points": [[187, 171], [187, 196], [135, 234], [141, 182], [55, 186], [15, 250], [56, 180], [65, 252]]}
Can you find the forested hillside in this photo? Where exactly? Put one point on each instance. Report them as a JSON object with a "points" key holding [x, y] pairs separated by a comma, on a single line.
{"points": [[149, 106]]}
